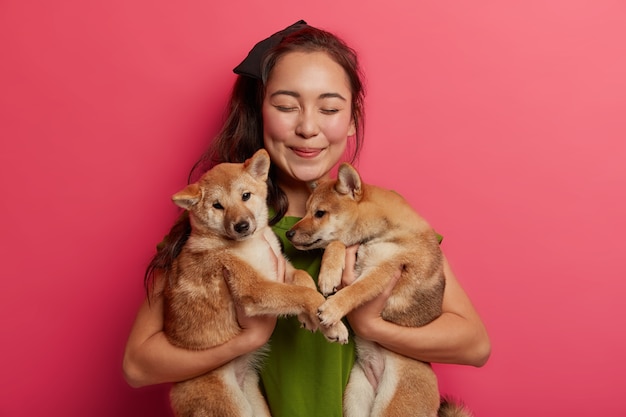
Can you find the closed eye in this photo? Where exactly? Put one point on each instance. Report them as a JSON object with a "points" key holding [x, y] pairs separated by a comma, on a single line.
{"points": [[285, 108]]}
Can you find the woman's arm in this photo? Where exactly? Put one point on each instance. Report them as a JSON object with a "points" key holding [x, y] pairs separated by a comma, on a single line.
{"points": [[457, 336], [150, 358]]}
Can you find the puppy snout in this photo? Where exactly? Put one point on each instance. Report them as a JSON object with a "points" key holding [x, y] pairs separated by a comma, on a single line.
{"points": [[290, 234], [242, 226]]}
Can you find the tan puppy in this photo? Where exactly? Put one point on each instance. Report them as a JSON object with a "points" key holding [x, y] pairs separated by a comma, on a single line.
{"points": [[226, 260], [392, 238]]}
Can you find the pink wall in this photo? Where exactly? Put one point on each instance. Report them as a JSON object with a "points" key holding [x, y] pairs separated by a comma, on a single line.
{"points": [[503, 122]]}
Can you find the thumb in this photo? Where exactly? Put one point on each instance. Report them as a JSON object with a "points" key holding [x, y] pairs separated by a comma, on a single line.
{"points": [[392, 282], [348, 276]]}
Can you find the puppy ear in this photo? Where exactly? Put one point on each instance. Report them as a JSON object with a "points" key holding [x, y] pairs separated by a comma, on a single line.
{"points": [[188, 197], [258, 165], [349, 181]]}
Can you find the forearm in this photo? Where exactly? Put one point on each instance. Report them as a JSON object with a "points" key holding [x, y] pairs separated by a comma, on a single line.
{"points": [[156, 361], [150, 358], [448, 339], [457, 336]]}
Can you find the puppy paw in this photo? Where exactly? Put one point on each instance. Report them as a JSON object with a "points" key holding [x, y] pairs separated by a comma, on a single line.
{"points": [[337, 333], [307, 322], [328, 283], [329, 313]]}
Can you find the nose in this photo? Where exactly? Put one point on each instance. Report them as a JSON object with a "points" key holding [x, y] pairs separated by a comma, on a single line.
{"points": [[242, 227], [307, 125], [290, 234]]}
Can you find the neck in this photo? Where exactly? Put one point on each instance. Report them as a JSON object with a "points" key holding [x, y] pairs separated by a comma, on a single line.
{"points": [[297, 193], [297, 198]]}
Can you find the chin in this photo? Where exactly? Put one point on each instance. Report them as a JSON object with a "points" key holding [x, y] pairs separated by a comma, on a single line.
{"points": [[309, 175]]}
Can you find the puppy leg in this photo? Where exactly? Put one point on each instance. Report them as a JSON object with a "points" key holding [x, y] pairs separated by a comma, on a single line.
{"points": [[298, 277], [259, 296], [408, 387], [369, 285], [253, 395], [337, 332], [278, 298], [333, 264], [302, 278], [359, 395]]}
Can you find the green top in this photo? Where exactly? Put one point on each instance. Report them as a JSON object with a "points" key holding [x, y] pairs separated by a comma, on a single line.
{"points": [[304, 374]]}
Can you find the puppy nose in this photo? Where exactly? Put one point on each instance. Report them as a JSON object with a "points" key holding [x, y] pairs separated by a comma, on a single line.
{"points": [[242, 227], [290, 234]]}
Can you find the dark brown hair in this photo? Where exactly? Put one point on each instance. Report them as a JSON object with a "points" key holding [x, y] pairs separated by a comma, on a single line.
{"points": [[242, 132]]}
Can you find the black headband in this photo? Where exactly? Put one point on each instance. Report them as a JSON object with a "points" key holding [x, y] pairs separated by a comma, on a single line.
{"points": [[251, 66]]}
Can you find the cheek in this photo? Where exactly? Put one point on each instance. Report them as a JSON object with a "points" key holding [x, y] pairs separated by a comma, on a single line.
{"points": [[337, 130], [276, 127]]}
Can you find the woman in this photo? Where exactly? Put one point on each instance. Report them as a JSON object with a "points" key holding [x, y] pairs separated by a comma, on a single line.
{"points": [[299, 95]]}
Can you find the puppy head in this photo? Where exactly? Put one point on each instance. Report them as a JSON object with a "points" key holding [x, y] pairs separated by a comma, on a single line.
{"points": [[331, 211], [229, 200]]}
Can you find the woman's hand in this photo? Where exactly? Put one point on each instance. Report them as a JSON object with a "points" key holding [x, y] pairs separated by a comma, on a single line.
{"points": [[348, 277], [256, 330], [150, 358], [366, 318], [277, 257], [457, 336]]}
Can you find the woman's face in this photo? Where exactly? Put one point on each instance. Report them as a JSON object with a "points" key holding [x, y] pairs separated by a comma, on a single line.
{"points": [[307, 115]]}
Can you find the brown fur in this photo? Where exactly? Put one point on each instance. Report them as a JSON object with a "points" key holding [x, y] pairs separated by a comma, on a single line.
{"points": [[226, 261], [392, 238]]}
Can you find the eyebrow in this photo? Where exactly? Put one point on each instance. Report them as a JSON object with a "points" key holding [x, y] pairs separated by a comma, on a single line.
{"points": [[297, 95]]}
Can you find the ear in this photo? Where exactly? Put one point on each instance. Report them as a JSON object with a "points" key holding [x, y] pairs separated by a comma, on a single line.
{"points": [[258, 165], [349, 181], [352, 128], [188, 197]]}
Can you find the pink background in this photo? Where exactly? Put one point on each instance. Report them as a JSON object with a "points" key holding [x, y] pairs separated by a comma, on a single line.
{"points": [[503, 123]]}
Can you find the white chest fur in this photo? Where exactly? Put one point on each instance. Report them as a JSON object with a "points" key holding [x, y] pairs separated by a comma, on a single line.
{"points": [[260, 251]]}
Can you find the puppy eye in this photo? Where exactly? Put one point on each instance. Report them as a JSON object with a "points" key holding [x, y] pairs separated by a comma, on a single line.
{"points": [[245, 196], [218, 206], [319, 214]]}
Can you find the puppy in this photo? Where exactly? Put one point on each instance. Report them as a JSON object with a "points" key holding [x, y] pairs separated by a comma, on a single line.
{"points": [[392, 238], [226, 261]]}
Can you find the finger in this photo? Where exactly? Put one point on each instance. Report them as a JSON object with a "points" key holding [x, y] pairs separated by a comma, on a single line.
{"points": [[226, 274], [276, 256], [392, 283], [241, 315], [348, 276], [280, 268]]}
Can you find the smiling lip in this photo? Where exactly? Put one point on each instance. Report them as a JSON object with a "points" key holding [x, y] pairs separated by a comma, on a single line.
{"points": [[306, 152]]}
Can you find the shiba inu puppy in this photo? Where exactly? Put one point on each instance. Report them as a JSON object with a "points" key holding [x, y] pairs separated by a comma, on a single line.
{"points": [[392, 238], [227, 260]]}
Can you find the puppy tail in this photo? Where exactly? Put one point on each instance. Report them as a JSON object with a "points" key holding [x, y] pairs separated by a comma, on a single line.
{"points": [[453, 408]]}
